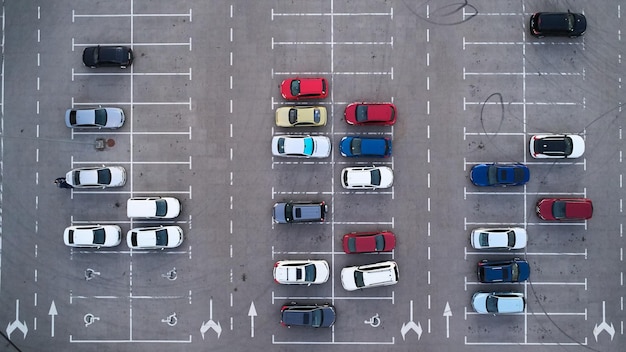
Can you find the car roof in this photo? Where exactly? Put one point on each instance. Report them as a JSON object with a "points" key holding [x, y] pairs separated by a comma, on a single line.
{"points": [[379, 112], [578, 209], [310, 86]]}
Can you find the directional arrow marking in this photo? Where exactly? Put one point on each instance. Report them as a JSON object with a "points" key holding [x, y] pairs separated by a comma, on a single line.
{"points": [[17, 324], [406, 327], [211, 324], [447, 312], [603, 326], [52, 312], [252, 314]]}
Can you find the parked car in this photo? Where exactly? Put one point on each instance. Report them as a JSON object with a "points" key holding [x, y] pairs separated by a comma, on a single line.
{"points": [[299, 211], [316, 316], [353, 146], [96, 177], [498, 302], [107, 56], [301, 272], [557, 146], [369, 275], [564, 208], [160, 237], [92, 236], [369, 177], [153, 207], [300, 116], [557, 24], [499, 174], [367, 242], [106, 117], [301, 146], [304, 88], [371, 114], [499, 238], [513, 270]]}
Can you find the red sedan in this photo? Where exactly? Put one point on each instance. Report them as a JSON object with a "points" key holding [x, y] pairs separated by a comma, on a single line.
{"points": [[371, 114], [366, 242], [304, 88], [564, 209]]}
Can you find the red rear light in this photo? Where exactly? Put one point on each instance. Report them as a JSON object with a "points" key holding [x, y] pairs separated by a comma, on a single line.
{"points": [[275, 264]]}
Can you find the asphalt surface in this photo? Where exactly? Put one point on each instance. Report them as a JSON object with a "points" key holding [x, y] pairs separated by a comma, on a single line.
{"points": [[471, 86]]}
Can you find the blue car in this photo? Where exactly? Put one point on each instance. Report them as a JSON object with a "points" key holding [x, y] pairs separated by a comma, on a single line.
{"points": [[353, 146], [499, 174], [514, 270]]}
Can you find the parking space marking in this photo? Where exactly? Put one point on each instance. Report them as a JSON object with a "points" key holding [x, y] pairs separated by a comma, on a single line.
{"points": [[534, 283], [276, 342], [334, 297], [505, 193], [538, 74], [501, 253], [526, 343], [274, 43], [74, 74], [131, 103], [524, 103], [188, 15], [351, 14]]}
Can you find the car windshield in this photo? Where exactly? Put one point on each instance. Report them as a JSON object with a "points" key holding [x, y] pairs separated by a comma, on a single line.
{"points": [[514, 272], [288, 212], [316, 115], [104, 176], [100, 117], [570, 22], [98, 236], [558, 209], [352, 244], [316, 317], [295, 87], [358, 279], [380, 242], [355, 146], [293, 116], [492, 175], [77, 178], [161, 207], [511, 237], [309, 272], [361, 113], [308, 146], [483, 239], [375, 174], [492, 304], [281, 145], [161, 237]]}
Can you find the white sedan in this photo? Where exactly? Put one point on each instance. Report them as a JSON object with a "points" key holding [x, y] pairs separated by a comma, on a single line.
{"points": [[155, 237], [301, 146], [96, 177], [94, 118], [371, 177], [301, 272], [500, 238], [92, 236]]}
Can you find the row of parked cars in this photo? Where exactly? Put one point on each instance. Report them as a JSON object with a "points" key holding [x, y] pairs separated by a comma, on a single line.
{"points": [[307, 272]]}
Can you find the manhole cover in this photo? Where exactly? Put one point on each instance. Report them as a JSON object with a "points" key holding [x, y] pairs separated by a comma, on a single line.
{"points": [[110, 142]]}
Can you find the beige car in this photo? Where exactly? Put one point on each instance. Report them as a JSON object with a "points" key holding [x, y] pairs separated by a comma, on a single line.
{"points": [[300, 116]]}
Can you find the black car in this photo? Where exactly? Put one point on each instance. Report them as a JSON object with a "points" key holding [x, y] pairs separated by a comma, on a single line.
{"points": [[289, 212], [107, 56], [316, 316], [514, 270], [557, 24]]}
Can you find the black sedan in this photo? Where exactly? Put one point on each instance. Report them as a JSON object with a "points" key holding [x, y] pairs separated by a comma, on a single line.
{"points": [[107, 56], [317, 316]]}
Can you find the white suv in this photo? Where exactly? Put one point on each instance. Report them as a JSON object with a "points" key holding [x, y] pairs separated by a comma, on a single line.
{"points": [[369, 275]]}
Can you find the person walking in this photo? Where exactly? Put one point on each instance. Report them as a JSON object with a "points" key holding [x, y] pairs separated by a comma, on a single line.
{"points": [[62, 183]]}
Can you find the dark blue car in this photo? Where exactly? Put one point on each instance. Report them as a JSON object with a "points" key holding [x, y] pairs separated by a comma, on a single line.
{"points": [[353, 146], [514, 270], [499, 174]]}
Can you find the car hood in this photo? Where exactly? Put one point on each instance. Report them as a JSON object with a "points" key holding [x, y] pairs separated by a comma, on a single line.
{"points": [[478, 175], [479, 302], [322, 147], [347, 278], [279, 213]]}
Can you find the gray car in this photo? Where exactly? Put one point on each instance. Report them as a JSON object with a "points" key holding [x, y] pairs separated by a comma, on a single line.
{"points": [[290, 212], [100, 117]]}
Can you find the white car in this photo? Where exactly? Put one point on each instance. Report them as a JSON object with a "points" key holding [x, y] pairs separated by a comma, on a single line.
{"points": [[154, 237], [369, 275], [498, 302], [556, 146], [301, 272], [371, 177], [95, 118], [301, 146], [96, 177], [93, 236], [499, 238], [153, 207]]}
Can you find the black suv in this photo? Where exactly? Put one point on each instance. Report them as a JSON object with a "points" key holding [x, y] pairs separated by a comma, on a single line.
{"points": [[107, 56], [557, 24], [317, 316], [288, 212]]}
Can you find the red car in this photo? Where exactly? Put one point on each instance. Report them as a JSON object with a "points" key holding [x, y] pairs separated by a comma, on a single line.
{"points": [[564, 209], [371, 114], [304, 88], [366, 242]]}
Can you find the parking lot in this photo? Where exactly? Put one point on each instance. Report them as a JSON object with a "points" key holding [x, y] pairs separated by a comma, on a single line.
{"points": [[471, 86]]}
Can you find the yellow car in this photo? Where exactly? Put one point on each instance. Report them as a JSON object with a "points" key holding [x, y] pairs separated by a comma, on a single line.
{"points": [[297, 116]]}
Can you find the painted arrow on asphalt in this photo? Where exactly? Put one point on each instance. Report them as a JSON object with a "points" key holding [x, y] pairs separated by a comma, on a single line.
{"points": [[211, 324], [603, 326], [406, 327], [252, 314], [52, 312], [447, 312], [17, 324]]}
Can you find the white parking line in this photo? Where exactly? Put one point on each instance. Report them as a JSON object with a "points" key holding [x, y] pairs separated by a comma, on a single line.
{"points": [[121, 73], [505, 103], [465, 193], [137, 103], [328, 73], [188, 15], [534, 283], [512, 253], [525, 343], [135, 44], [560, 74], [351, 14]]}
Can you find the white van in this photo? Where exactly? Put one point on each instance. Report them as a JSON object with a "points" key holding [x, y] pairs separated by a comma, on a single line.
{"points": [[153, 207]]}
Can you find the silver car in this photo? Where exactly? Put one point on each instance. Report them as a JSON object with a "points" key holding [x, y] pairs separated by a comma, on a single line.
{"points": [[155, 237], [92, 236], [102, 117], [96, 177]]}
